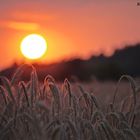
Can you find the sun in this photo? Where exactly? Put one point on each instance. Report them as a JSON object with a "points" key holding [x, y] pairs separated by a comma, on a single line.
{"points": [[33, 46]]}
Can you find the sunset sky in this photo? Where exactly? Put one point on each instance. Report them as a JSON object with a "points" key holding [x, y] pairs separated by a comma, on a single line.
{"points": [[72, 28]]}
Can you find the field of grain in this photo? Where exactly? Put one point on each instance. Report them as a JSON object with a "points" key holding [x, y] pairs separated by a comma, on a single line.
{"points": [[68, 111]]}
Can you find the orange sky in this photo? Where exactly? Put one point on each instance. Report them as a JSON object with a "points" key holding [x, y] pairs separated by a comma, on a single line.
{"points": [[72, 28]]}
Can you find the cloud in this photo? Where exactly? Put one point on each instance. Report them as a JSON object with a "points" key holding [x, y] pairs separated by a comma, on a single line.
{"points": [[25, 26]]}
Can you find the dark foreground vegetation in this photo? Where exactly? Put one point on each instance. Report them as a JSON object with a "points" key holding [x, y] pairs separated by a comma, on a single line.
{"points": [[44, 111]]}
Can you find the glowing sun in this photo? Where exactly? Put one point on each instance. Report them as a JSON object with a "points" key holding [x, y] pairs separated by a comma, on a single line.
{"points": [[33, 46]]}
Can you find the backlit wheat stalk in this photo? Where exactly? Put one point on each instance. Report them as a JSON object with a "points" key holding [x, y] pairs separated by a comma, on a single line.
{"points": [[39, 111]]}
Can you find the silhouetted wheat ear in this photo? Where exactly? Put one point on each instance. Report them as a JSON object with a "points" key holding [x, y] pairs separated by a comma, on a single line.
{"points": [[8, 87], [33, 110], [18, 73]]}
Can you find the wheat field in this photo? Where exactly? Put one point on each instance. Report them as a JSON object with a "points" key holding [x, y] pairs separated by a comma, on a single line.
{"points": [[65, 111]]}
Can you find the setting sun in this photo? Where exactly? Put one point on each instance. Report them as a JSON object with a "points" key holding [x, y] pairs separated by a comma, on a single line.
{"points": [[33, 46]]}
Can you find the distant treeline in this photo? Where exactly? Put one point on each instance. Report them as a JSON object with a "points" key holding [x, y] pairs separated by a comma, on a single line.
{"points": [[125, 61]]}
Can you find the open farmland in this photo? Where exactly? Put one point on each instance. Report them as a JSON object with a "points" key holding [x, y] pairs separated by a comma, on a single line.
{"points": [[79, 111]]}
